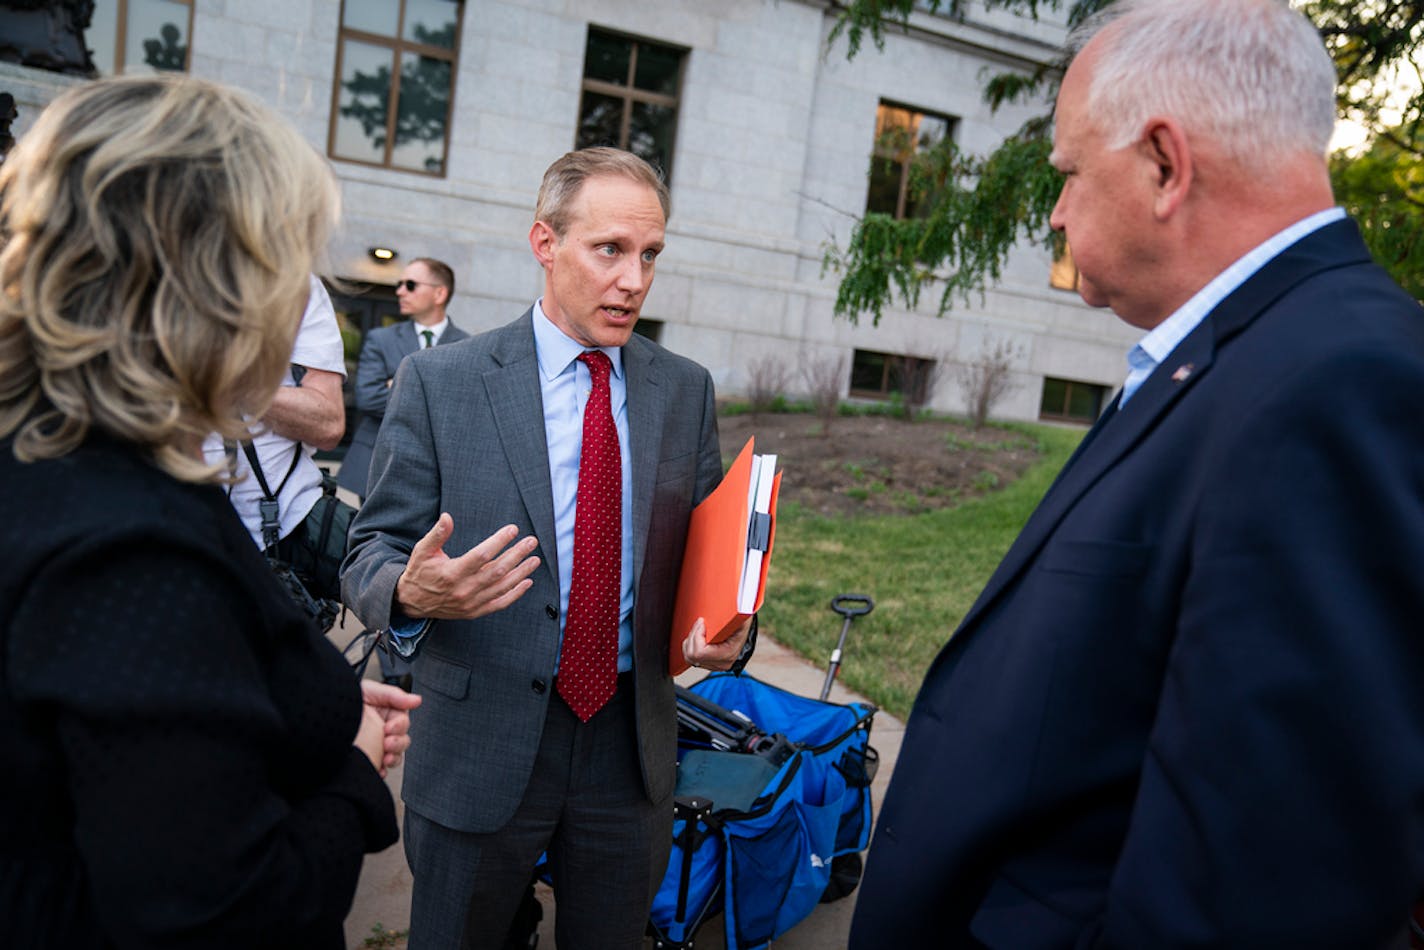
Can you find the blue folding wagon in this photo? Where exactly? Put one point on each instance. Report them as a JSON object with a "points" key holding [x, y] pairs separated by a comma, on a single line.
{"points": [[772, 811]]}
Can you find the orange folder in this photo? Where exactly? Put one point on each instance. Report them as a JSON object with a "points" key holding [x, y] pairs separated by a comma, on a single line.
{"points": [[720, 537]]}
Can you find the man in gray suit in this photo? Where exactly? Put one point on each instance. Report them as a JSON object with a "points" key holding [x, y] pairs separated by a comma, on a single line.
{"points": [[423, 292], [490, 442]]}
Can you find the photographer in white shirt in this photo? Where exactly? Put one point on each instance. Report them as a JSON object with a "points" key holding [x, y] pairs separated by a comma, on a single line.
{"points": [[307, 415]]}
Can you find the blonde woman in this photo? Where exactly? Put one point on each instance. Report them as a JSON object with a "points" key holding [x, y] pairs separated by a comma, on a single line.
{"points": [[190, 764]]}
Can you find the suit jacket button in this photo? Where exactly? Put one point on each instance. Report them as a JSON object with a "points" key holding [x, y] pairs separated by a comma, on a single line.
{"points": [[552, 611], [538, 686]]}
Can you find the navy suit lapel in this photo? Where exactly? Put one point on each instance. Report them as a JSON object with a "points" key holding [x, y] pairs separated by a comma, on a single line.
{"points": [[1117, 432], [517, 404], [1335, 245], [646, 409]]}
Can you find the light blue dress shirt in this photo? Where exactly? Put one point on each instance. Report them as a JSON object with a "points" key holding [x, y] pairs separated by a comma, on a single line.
{"points": [[565, 383], [1156, 346]]}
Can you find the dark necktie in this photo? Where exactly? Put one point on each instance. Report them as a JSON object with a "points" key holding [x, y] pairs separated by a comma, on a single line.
{"points": [[429, 338], [588, 663]]}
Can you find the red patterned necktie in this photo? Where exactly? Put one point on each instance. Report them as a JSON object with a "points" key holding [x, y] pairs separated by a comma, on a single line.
{"points": [[588, 663]]}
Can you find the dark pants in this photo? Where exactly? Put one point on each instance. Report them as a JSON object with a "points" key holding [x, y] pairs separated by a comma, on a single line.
{"points": [[608, 846]]}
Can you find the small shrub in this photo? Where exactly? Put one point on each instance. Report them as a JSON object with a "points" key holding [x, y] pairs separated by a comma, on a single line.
{"points": [[766, 384], [916, 379], [824, 378], [986, 379]]}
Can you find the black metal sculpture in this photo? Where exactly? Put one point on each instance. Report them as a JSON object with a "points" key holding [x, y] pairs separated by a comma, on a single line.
{"points": [[46, 34], [7, 115]]}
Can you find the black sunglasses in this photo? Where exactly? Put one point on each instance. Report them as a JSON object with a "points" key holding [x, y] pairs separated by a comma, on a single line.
{"points": [[410, 285]]}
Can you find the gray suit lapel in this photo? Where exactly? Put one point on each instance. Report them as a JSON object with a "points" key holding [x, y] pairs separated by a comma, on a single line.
{"points": [[405, 337], [517, 404], [647, 404]]}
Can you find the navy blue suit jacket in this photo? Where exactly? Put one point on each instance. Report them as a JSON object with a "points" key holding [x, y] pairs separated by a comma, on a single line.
{"points": [[1188, 708]]}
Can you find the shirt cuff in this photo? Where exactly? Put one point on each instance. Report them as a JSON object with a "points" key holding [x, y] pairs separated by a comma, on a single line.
{"points": [[406, 634]]}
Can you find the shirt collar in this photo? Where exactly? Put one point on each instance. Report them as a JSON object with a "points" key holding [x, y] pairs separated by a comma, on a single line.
{"points": [[555, 349], [437, 329], [1167, 334]]}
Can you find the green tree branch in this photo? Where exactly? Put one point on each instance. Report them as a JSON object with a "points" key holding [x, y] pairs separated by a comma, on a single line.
{"points": [[973, 210]]}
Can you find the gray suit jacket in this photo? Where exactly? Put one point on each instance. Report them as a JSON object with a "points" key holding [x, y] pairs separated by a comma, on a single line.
{"points": [[381, 356], [464, 433]]}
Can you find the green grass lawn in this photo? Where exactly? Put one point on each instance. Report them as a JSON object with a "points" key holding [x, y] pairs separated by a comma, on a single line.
{"points": [[923, 572]]}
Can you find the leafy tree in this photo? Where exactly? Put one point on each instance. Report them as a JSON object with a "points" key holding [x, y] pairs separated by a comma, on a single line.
{"points": [[1372, 43], [1383, 189], [973, 210]]}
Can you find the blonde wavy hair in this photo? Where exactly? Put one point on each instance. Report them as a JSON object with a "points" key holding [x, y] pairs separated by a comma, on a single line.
{"points": [[157, 237]]}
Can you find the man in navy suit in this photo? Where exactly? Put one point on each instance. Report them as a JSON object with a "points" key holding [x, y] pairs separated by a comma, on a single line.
{"points": [[423, 292], [1188, 708]]}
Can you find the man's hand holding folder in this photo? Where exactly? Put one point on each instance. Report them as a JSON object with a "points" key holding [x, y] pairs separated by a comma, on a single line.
{"points": [[723, 580]]}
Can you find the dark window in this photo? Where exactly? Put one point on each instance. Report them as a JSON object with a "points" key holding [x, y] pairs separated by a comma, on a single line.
{"points": [[883, 375], [630, 90], [901, 134], [1066, 400], [140, 36], [652, 329], [395, 83]]}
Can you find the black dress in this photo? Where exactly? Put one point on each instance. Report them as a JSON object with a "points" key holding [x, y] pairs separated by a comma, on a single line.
{"points": [[179, 767]]}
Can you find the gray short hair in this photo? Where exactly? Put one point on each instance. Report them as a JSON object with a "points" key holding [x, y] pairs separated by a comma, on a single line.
{"points": [[564, 179], [1252, 75]]}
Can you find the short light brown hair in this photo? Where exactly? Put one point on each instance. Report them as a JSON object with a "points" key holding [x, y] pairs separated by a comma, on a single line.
{"points": [[566, 177], [159, 235], [443, 273]]}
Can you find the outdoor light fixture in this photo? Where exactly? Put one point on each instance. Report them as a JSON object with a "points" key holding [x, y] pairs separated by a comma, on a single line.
{"points": [[382, 254]]}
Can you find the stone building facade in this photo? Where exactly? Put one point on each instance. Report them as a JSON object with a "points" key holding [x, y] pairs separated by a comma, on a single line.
{"points": [[767, 134]]}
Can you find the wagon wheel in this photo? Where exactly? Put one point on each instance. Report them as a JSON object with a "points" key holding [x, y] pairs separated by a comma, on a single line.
{"points": [[845, 875]]}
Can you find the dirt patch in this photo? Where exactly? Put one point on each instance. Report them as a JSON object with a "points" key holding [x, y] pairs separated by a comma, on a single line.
{"points": [[880, 464]]}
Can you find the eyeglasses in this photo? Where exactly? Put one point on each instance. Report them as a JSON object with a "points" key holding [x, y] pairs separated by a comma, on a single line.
{"points": [[410, 285]]}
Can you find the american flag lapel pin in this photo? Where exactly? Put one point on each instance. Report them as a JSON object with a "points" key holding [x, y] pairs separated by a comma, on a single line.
{"points": [[1180, 374]]}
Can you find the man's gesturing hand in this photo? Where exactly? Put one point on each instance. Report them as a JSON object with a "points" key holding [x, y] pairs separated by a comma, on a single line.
{"points": [[490, 576]]}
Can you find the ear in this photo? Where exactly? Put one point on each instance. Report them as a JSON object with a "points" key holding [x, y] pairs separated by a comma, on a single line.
{"points": [[542, 240], [1165, 145]]}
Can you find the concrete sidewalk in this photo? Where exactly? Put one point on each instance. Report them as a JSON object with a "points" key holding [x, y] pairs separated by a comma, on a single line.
{"points": [[383, 894]]}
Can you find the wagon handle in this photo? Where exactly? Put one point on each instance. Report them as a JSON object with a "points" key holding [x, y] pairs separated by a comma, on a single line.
{"points": [[848, 606]]}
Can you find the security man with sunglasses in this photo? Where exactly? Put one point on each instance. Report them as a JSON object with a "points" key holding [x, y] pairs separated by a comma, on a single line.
{"points": [[423, 291]]}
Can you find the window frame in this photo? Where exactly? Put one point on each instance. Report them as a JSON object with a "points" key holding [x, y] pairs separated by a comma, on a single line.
{"points": [[121, 37], [631, 94], [904, 159], [1100, 393], [398, 45], [891, 368]]}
